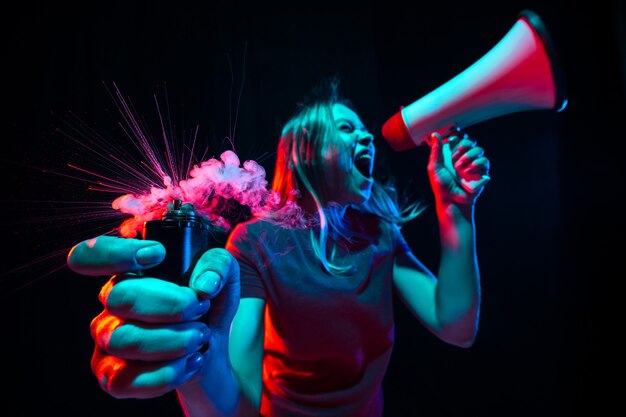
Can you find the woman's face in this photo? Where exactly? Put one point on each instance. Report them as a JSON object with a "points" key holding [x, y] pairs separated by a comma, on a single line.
{"points": [[348, 159]]}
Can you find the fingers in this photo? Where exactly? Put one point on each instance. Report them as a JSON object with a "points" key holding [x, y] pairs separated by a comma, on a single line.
{"points": [[213, 270], [477, 168], [469, 158], [140, 379], [216, 276], [139, 360], [441, 146], [147, 339], [141, 341], [107, 255], [463, 159], [464, 145], [151, 300]]}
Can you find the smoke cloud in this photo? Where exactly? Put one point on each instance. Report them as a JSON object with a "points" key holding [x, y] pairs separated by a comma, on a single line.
{"points": [[208, 187]]}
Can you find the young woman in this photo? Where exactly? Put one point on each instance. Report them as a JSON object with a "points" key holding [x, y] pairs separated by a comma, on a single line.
{"points": [[296, 310]]}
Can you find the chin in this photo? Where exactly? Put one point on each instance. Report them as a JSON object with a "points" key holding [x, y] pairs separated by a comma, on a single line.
{"points": [[366, 196]]}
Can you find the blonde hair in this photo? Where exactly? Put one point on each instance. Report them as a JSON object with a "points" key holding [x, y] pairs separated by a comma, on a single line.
{"points": [[298, 170]]}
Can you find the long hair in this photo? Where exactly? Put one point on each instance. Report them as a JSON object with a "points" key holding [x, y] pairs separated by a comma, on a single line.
{"points": [[298, 171]]}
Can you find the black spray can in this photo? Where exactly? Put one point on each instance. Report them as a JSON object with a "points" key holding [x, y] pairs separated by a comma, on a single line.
{"points": [[185, 235]]}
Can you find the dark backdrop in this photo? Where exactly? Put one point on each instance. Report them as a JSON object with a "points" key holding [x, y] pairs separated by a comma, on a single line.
{"points": [[236, 70]]}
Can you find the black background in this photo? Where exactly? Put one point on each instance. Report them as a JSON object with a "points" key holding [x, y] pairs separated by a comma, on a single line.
{"points": [[548, 222]]}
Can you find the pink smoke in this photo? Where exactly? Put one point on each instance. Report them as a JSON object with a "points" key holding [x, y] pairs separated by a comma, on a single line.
{"points": [[209, 184]]}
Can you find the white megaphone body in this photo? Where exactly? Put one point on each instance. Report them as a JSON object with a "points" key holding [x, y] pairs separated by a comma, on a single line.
{"points": [[520, 73]]}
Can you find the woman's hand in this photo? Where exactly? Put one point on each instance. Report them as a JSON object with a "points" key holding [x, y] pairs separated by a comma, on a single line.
{"points": [[148, 340], [460, 177]]}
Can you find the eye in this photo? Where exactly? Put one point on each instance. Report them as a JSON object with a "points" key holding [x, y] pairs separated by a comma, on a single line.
{"points": [[346, 127]]}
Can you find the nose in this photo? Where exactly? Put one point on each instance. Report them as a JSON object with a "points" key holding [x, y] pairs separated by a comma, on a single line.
{"points": [[365, 138]]}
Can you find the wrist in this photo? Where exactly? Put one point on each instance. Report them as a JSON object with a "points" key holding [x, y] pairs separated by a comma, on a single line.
{"points": [[452, 212], [216, 358], [456, 223], [214, 386]]}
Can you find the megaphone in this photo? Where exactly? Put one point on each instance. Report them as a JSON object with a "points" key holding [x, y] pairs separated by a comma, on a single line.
{"points": [[520, 73]]}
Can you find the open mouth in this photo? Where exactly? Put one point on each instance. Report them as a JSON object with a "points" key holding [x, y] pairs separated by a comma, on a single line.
{"points": [[364, 163]]}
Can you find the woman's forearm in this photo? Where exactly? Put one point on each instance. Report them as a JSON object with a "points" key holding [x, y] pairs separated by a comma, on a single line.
{"points": [[457, 294], [217, 392]]}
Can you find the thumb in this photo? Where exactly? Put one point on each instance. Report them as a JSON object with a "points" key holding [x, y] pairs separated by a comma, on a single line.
{"points": [[436, 150], [216, 277]]}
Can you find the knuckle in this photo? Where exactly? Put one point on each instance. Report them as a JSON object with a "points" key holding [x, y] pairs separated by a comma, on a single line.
{"points": [[222, 259], [119, 296], [121, 338], [221, 254]]}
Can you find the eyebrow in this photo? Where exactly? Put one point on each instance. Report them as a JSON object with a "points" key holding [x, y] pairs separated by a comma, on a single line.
{"points": [[345, 119]]}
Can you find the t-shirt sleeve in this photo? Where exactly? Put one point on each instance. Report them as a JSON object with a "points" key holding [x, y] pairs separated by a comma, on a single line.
{"points": [[242, 248]]}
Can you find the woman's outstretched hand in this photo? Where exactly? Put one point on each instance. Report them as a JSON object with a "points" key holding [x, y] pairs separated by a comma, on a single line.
{"points": [[149, 338]]}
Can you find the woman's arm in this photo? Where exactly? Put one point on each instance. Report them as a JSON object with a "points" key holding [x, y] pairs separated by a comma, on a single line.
{"points": [[458, 295], [449, 304]]}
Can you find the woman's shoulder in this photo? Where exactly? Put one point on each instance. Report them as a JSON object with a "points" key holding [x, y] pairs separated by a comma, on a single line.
{"points": [[255, 227], [261, 235], [252, 226]]}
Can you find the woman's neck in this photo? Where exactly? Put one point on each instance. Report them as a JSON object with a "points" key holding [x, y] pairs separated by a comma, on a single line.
{"points": [[307, 203]]}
